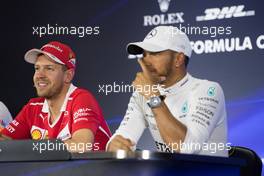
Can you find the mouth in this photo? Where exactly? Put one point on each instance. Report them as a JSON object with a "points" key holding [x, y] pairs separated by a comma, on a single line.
{"points": [[41, 84], [162, 79]]}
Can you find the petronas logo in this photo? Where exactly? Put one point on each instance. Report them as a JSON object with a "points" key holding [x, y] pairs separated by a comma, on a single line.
{"points": [[211, 91], [185, 108]]}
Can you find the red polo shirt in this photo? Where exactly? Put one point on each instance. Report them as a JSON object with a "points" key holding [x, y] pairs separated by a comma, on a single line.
{"points": [[80, 110]]}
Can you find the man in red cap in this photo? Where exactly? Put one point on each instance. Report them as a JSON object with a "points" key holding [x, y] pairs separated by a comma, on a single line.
{"points": [[62, 111]]}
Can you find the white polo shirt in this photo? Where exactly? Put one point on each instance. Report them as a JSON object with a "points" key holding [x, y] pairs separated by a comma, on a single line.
{"points": [[198, 104]]}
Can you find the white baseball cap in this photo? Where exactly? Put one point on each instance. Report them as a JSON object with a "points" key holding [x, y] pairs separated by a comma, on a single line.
{"points": [[162, 38]]}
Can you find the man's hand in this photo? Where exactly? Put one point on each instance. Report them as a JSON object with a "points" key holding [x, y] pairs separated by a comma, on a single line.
{"points": [[120, 143], [147, 81], [3, 137]]}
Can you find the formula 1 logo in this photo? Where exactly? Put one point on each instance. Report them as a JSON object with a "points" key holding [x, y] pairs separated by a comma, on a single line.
{"points": [[164, 5], [225, 12]]}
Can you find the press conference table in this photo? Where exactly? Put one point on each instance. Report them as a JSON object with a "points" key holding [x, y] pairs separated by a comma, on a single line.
{"points": [[17, 158]]}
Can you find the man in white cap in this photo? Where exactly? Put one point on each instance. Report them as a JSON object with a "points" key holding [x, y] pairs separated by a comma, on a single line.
{"points": [[185, 114], [62, 111]]}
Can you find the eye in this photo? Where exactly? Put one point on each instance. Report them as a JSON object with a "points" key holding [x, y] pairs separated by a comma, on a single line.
{"points": [[50, 68], [36, 68]]}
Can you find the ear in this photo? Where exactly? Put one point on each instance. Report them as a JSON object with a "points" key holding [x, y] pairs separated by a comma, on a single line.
{"points": [[69, 74], [179, 61]]}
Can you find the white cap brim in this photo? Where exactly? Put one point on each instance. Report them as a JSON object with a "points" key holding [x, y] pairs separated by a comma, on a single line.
{"points": [[139, 47], [31, 56]]}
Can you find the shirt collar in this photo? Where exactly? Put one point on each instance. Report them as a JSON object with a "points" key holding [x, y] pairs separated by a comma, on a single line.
{"points": [[45, 107], [177, 86]]}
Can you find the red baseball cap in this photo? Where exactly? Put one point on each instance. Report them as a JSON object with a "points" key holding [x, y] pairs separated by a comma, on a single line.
{"points": [[57, 51]]}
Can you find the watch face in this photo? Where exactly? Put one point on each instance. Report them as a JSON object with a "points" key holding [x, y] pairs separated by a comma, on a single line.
{"points": [[154, 102]]}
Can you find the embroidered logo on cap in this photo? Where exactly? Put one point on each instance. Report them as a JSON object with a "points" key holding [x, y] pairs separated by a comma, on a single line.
{"points": [[52, 46], [151, 34]]}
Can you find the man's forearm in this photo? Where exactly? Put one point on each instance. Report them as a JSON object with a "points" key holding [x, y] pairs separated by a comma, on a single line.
{"points": [[81, 141], [171, 129]]}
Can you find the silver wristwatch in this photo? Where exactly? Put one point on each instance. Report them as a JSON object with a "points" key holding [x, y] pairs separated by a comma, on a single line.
{"points": [[155, 101]]}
